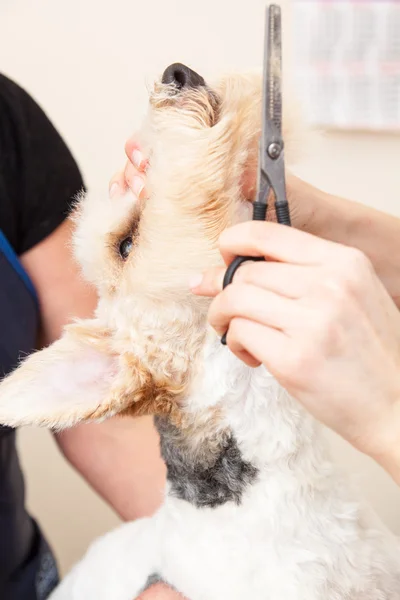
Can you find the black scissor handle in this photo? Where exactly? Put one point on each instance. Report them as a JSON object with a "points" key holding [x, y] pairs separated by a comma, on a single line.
{"points": [[230, 273]]}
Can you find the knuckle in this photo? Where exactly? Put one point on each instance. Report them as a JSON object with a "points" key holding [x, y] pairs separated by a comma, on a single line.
{"points": [[356, 265], [235, 329], [347, 280], [250, 272], [356, 257], [337, 289]]}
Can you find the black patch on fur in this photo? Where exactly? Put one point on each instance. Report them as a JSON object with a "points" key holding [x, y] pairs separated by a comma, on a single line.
{"points": [[204, 478], [152, 580]]}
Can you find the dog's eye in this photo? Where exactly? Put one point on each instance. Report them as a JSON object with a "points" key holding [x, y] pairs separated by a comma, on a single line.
{"points": [[125, 247]]}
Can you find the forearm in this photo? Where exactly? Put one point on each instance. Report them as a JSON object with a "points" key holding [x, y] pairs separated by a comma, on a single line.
{"points": [[120, 459], [375, 233]]}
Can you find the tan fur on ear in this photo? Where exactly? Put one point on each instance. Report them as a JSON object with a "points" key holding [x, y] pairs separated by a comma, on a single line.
{"points": [[141, 393], [82, 378], [137, 392]]}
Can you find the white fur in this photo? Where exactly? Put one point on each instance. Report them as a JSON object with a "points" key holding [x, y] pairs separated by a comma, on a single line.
{"points": [[297, 535]]}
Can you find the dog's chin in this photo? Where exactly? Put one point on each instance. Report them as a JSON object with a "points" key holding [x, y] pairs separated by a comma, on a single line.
{"points": [[202, 104]]}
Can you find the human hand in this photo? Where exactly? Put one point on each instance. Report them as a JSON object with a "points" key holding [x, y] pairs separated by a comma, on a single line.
{"points": [[317, 316], [133, 175]]}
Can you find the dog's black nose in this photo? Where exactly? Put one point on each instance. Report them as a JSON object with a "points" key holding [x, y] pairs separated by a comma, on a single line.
{"points": [[182, 77]]}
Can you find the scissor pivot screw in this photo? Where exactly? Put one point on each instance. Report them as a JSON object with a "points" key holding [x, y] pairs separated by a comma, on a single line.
{"points": [[274, 150]]}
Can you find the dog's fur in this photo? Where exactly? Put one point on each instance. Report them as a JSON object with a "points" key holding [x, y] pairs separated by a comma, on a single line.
{"points": [[253, 507]]}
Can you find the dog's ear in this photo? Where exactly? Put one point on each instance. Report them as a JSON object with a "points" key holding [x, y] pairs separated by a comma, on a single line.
{"points": [[75, 379]]}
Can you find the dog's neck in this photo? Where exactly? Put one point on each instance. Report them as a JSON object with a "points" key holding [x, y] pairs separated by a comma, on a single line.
{"points": [[223, 426], [237, 423]]}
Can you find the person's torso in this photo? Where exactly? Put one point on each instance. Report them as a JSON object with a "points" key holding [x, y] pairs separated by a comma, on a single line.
{"points": [[19, 316]]}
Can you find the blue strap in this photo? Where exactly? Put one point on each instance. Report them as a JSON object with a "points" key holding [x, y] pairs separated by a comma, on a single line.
{"points": [[7, 250]]}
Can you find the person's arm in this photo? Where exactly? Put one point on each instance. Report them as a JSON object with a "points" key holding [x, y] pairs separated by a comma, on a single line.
{"points": [[375, 233], [120, 457]]}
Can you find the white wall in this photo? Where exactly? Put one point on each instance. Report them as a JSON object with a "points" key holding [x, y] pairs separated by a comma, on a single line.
{"points": [[87, 63]]}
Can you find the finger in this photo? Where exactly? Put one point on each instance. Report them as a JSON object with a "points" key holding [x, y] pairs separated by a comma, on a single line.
{"points": [[242, 354], [117, 185], [292, 281], [276, 242], [135, 154], [135, 181], [209, 283], [256, 344], [251, 302]]}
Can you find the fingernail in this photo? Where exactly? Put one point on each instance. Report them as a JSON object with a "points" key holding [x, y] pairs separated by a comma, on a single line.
{"points": [[113, 190], [137, 158], [195, 281], [137, 186]]}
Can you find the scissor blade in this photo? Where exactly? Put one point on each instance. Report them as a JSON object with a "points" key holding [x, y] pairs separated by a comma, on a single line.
{"points": [[271, 97], [272, 85]]}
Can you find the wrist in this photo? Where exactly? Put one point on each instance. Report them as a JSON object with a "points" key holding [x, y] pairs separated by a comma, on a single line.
{"points": [[344, 222], [352, 224], [316, 211]]}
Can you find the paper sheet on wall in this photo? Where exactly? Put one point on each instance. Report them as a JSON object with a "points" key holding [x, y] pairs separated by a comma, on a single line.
{"points": [[346, 58]]}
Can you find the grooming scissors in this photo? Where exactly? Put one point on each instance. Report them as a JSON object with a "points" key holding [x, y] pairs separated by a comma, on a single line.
{"points": [[271, 166]]}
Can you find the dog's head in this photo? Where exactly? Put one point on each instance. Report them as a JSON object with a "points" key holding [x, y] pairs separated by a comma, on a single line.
{"points": [[198, 138], [137, 355]]}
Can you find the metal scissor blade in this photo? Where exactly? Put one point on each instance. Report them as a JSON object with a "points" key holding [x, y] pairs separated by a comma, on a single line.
{"points": [[272, 80], [271, 168], [271, 98]]}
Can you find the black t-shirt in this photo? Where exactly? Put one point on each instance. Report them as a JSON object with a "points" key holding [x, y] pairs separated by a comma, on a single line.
{"points": [[38, 180], [38, 175]]}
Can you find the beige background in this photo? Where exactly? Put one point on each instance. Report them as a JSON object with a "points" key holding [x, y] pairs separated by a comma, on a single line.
{"points": [[87, 62]]}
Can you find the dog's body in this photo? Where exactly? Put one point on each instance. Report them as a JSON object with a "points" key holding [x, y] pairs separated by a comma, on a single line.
{"points": [[254, 508], [270, 519]]}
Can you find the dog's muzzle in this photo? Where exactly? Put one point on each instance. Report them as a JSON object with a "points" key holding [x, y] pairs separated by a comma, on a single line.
{"points": [[182, 77]]}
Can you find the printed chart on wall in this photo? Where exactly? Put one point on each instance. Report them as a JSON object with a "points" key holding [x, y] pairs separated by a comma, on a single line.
{"points": [[346, 56]]}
